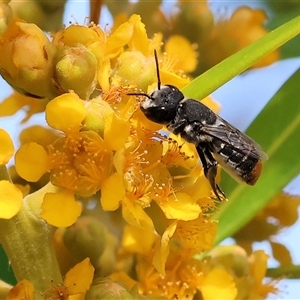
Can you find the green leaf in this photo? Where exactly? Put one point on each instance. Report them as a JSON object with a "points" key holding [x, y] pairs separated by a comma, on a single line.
{"points": [[215, 77], [277, 130]]}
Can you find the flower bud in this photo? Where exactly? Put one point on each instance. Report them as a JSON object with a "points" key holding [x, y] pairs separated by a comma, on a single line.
{"points": [[105, 288], [86, 238], [26, 59], [76, 69], [98, 114], [232, 257], [135, 68]]}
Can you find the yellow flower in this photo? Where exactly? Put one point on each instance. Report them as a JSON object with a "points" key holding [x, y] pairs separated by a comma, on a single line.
{"points": [[184, 277], [99, 145], [228, 36], [248, 272], [166, 266]]}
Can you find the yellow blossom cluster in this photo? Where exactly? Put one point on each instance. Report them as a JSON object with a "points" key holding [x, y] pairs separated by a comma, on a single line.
{"points": [[99, 145]]}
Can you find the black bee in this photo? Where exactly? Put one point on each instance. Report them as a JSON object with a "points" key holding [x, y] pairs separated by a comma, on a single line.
{"points": [[215, 139]]}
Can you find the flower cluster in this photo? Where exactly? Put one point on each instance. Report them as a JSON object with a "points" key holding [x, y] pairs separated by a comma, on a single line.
{"points": [[99, 145]]}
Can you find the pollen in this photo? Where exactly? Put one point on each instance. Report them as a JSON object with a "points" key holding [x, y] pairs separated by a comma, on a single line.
{"points": [[181, 279], [115, 94], [173, 153], [138, 186], [162, 190], [80, 162], [58, 291], [168, 63]]}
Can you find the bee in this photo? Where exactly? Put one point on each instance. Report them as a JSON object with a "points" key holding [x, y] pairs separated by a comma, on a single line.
{"points": [[216, 141]]}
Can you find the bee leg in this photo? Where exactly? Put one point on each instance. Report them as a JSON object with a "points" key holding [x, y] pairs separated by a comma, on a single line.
{"points": [[211, 174], [210, 171]]}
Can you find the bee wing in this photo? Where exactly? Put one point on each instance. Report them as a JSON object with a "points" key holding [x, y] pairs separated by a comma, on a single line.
{"points": [[230, 135]]}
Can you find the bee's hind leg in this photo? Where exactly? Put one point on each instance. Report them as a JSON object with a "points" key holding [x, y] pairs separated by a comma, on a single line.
{"points": [[210, 172]]}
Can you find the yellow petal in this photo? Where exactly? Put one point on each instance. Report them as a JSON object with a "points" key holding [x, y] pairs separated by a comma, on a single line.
{"points": [[184, 53], [123, 278], [103, 76], [139, 40], [38, 134], [66, 112], [112, 192], [160, 258], [218, 284], [113, 136], [7, 147], [23, 290], [10, 199], [258, 269], [16, 101], [60, 209], [134, 239], [118, 38], [181, 207], [80, 277], [174, 79], [31, 161], [135, 215]]}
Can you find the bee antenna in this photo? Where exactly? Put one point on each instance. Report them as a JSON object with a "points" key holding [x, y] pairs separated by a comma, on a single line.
{"points": [[157, 70], [139, 94]]}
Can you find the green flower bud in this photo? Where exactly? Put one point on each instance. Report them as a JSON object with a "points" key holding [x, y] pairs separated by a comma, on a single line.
{"points": [[86, 238], [106, 289], [135, 68], [232, 257], [98, 112], [76, 69]]}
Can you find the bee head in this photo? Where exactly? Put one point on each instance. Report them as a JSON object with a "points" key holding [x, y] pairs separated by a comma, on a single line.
{"points": [[161, 105]]}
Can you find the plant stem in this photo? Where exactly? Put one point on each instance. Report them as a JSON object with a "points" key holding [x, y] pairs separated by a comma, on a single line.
{"points": [[28, 243]]}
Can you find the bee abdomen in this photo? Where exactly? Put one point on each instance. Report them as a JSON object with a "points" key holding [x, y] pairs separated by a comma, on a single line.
{"points": [[242, 166]]}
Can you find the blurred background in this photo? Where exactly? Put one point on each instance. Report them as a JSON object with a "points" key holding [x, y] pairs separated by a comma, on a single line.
{"points": [[241, 99]]}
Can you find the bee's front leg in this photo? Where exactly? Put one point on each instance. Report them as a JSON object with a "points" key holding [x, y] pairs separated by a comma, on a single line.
{"points": [[210, 171]]}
